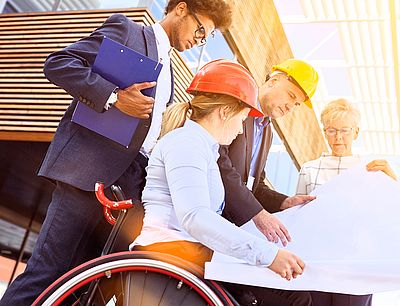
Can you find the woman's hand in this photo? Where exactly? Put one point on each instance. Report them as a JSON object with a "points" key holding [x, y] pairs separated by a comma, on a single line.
{"points": [[287, 265], [381, 165]]}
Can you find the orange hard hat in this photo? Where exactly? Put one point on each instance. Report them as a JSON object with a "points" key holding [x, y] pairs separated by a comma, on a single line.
{"points": [[228, 78]]}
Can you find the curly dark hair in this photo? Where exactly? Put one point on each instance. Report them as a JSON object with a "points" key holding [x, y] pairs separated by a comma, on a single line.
{"points": [[219, 11]]}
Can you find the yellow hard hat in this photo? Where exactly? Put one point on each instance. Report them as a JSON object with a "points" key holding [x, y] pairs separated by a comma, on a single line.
{"points": [[304, 75]]}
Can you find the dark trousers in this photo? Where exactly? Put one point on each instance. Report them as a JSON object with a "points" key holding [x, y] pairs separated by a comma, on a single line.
{"points": [[338, 299], [245, 295], [260, 296], [73, 232]]}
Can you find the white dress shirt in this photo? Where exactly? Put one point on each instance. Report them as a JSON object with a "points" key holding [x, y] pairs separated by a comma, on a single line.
{"points": [[184, 197], [163, 90]]}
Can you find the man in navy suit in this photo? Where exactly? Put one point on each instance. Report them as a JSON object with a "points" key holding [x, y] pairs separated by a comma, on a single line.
{"points": [[78, 157]]}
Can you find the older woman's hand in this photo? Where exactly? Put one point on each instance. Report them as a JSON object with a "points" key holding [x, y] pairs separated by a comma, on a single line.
{"points": [[381, 165]]}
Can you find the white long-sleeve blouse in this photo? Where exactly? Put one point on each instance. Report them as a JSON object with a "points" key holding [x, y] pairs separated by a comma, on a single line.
{"points": [[184, 198]]}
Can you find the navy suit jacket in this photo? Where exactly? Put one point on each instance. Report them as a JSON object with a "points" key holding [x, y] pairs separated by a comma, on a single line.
{"points": [[78, 156]]}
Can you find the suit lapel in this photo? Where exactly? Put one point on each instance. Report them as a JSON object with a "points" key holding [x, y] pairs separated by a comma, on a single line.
{"points": [[151, 49], [151, 44], [264, 150], [249, 136]]}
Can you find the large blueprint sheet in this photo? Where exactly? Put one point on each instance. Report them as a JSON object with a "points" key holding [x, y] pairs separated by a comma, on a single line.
{"points": [[349, 238]]}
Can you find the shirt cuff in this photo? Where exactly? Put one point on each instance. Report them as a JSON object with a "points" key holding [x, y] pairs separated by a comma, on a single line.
{"points": [[268, 255], [111, 99]]}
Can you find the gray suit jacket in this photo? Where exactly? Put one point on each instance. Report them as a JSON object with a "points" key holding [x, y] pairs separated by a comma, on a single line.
{"points": [[78, 156]]}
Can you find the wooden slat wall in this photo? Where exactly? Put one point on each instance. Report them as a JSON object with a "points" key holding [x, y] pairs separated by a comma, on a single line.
{"points": [[30, 106], [259, 41]]}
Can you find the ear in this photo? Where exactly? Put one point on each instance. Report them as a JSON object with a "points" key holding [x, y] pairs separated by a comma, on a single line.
{"points": [[181, 9], [272, 81], [356, 131], [223, 112]]}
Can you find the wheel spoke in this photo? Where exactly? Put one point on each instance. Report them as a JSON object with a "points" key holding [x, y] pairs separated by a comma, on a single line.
{"points": [[164, 290], [135, 281]]}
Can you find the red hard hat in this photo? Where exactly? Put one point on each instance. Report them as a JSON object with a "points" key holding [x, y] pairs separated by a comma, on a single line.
{"points": [[229, 78]]}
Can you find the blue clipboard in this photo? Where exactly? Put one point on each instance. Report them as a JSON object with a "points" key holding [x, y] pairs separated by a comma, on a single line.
{"points": [[123, 67]]}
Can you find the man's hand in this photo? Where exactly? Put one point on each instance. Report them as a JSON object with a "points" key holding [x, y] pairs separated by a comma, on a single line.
{"points": [[271, 227], [296, 200], [287, 265], [133, 103], [381, 165]]}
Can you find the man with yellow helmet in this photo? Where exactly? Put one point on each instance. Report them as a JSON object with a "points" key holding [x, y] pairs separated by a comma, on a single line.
{"points": [[242, 163]]}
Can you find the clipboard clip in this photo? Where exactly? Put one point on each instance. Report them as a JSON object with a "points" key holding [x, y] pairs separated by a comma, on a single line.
{"points": [[158, 63]]}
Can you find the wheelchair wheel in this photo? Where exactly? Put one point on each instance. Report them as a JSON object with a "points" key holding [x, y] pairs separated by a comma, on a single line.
{"points": [[135, 278]]}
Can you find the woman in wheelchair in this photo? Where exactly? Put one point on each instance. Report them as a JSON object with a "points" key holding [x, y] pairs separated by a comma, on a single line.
{"points": [[184, 196]]}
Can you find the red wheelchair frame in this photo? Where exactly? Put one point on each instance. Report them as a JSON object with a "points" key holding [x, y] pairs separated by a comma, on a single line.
{"points": [[142, 278]]}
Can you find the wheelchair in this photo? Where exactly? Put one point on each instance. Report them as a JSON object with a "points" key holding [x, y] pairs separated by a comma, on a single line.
{"points": [[132, 278]]}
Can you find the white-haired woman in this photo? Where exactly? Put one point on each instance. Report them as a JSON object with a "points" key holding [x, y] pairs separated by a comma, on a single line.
{"points": [[340, 120]]}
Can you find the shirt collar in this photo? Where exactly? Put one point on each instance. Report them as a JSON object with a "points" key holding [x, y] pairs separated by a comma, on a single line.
{"points": [[163, 43], [197, 128], [261, 122]]}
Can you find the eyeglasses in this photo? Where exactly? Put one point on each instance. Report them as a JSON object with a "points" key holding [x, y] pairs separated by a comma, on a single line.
{"points": [[200, 33], [343, 131]]}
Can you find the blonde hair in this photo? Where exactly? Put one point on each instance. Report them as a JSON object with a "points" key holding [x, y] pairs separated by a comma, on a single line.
{"points": [[339, 109], [202, 105]]}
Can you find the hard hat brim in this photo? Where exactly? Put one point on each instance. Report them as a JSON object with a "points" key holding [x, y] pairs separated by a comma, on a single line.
{"points": [[308, 103], [254, 112]]}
